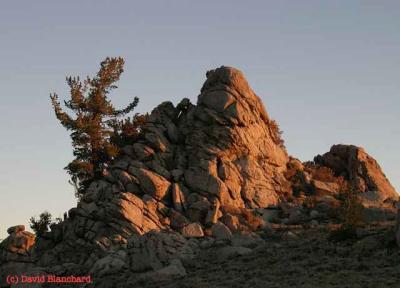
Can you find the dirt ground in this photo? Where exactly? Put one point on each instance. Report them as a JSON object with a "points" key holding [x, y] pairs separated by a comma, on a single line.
{"points": [[309, 260]]}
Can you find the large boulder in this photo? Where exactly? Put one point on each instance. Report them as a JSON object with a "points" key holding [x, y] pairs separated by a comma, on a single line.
{"points": [[16, 254], [361, 171], [17, 246]]}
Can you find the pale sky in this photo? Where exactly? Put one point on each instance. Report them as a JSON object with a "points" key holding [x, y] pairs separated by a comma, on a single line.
{"points": [[327, 71]]}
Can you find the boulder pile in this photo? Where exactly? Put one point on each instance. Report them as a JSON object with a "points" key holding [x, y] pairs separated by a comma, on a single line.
{"points": [[204, 171]]}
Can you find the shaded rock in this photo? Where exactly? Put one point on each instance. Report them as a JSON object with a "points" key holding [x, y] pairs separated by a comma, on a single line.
{"points": [[178, 198], [108, 265], [142, 151], [221, 232], [154, 251], [16, 229], [177, 220], [197, 211], [19, 242]]}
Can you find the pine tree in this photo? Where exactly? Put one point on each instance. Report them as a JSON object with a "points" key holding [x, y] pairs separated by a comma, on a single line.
{"points": [[96, 124], [41, 225]]}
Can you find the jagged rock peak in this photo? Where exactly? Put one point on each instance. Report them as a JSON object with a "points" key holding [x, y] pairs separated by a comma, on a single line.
{"points": [[227, 90], [227, 76]]}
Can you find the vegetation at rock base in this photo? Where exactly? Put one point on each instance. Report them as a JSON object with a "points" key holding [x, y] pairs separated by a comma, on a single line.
{"points": [[97, 129], [351, 216]]}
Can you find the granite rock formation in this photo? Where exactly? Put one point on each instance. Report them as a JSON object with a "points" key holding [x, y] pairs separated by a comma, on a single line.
{"points": [[207, 170]]}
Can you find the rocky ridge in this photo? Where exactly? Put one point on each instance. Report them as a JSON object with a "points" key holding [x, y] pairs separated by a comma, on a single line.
{"points": [[201, 175]]}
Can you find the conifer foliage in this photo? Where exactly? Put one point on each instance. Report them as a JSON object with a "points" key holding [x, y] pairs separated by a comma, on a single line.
{"points": [[41, 225], [97, 130]]}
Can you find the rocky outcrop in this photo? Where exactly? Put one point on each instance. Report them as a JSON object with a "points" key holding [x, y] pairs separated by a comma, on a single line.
{"points": [[206, 170], [16, 253], [17, 246], [361, 171]]}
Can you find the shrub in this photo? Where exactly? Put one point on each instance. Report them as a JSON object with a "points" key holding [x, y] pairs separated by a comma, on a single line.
{"points": [[41, 225], [276, 133], [350, 214]]}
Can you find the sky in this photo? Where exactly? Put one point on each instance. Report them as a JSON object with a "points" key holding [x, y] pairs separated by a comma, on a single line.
{"points": [[327, 71]]}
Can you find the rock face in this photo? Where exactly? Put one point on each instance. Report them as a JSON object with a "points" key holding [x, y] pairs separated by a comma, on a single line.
{"points": [[17, 246], [362, 172], [16, 253], [198, 170], [232, 148]]}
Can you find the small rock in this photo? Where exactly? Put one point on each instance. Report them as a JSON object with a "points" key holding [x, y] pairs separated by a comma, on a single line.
{"points": [[314, 214], [193, 230], [221, 232], [231, 221]]}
